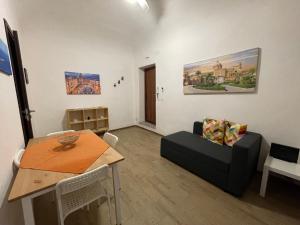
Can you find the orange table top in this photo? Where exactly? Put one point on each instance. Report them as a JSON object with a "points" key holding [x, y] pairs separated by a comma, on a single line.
{"points": [[52, 156], [30, 181]]}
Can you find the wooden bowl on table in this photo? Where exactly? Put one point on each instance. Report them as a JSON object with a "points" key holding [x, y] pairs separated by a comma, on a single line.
{"points": [[68, 138]]}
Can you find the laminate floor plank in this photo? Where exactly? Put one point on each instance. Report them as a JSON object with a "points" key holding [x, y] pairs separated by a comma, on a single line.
{"points": [[154, 191]]}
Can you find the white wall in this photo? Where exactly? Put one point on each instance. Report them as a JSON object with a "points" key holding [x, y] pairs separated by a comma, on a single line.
{"points": [[195, 30], [11, 136], [93, 37], [49, 51], [187, 31]]}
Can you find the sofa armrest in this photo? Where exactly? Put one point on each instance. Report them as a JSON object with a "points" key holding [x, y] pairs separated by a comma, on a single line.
{"points": [[198, 128], [245, 155]]}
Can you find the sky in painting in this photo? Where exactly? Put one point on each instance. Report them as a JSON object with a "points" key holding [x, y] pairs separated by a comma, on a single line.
{"points": [[248, 58], [4, 59], [88, 76]]}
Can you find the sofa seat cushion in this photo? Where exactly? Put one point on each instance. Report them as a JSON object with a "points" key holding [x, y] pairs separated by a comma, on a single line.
{"points": [[214, 156]]}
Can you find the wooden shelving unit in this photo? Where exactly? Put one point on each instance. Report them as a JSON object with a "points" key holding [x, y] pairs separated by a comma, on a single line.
{"points": [[95, 119]]}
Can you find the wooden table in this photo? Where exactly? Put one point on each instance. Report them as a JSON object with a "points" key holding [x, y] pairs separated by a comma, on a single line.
{"points": [[30, 183]]}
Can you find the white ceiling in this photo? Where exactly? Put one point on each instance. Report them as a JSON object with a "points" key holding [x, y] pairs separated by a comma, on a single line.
{"points": [[120, 16]]}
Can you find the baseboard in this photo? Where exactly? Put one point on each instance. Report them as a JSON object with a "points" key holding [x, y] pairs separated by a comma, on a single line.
{"points": [[148, 129], [136, 125], [122, 128]]}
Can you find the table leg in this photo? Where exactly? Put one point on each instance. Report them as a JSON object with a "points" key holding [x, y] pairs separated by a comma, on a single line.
{"points": [[116, 181], [264, 182], [27, 205]]}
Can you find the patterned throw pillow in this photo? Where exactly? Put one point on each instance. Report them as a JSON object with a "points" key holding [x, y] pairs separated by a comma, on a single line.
{"points": [[233, 132], [214, 130]]}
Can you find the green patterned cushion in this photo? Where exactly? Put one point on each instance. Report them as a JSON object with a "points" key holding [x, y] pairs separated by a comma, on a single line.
{"points": [[213, 130], [233, 132]]}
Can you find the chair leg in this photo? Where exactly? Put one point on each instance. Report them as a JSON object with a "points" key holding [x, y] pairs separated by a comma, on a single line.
{"points": [[264, 182], [52, 197], [61, 219], [61, 222], [109, 207]]}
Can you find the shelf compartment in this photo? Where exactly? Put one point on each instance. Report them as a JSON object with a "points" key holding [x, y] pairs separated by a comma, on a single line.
{"points": [[102, 113], [91, 120], [75, 116], [94, 118], [89, 114], [101, 130], [77, 126], [76, 122], [102, 119], [91, 126], [102, 124]]}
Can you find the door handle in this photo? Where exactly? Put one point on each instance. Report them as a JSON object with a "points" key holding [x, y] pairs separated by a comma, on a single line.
{"points": [[27, 114], [28, 111]]}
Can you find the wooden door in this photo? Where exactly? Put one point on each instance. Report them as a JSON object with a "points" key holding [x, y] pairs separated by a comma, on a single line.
{"points": [[19, 79], [150, 95]]}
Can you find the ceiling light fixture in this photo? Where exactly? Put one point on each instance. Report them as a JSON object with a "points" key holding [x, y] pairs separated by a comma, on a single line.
{"points": [[142, 3]]}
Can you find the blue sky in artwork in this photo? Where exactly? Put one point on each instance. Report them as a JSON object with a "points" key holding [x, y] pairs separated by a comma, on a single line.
{"points": [[4, 59], [246, 57], [88, 76]]}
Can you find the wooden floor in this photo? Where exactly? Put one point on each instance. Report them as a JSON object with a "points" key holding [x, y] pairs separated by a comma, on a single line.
{"points": [[158, 192]]}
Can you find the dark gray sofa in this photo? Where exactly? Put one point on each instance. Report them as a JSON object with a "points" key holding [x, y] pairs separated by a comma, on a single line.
{"points": [[230, 168]]}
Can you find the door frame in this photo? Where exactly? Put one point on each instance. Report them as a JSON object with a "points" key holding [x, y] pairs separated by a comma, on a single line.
{"points": [[145, 91], [19, 80]]}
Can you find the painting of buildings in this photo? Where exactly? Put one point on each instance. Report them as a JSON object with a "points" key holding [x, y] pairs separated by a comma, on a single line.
{"points": [[82, 83], [234, 73], [4, 59]]}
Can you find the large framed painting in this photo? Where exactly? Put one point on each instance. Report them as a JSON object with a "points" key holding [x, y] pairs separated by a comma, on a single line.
{"points": [[4, 59], [234, 73], [82, 83]]}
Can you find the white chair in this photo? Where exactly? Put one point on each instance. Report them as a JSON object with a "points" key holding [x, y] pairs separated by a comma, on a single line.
{"points": [[110, 139], [52, 194], [77, 192], [278, 166], [60, 132], [18, 156]]}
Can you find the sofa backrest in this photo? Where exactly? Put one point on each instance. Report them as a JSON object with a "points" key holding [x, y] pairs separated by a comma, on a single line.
{"points": [[198, 128]]}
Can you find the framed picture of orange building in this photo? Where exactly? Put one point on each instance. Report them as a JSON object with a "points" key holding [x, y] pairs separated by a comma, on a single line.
{"points": [[82, 83], [234, 73]]}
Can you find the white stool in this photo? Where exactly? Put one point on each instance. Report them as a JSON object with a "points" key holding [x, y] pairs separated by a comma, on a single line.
{"points": [[284, 168]]}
